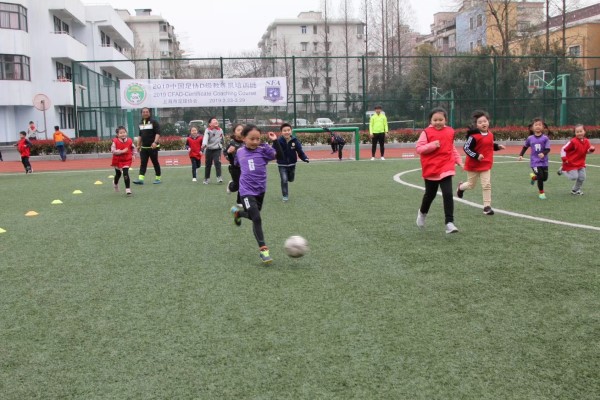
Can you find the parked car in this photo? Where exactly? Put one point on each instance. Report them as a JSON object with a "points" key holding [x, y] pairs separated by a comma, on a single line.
{"points": [[323, 122], [347, 121], [301, 122], [275, 121], [198, 123]]}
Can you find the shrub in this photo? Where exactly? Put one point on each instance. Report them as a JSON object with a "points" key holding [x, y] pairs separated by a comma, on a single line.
{"points": [[172, 143]]}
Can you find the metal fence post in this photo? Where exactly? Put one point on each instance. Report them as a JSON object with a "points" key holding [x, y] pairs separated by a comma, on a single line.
{"points": [[294, 86]]}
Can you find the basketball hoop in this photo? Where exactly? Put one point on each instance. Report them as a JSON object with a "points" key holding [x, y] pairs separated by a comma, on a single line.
{"points": [[531, 89]]}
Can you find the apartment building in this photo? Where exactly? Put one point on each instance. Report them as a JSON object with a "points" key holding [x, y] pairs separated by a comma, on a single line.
{"points": [[324, 76], [39, 41], [443, 33]]}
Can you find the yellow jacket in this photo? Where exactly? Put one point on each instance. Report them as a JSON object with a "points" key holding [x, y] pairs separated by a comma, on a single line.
{"points": [[378, 124]]}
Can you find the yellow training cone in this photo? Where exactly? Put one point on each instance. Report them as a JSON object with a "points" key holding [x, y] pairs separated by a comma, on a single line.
{"points": [[2, 230], [111, 177], [31, 214], [98, 183], [56, 202], [77, 191]]}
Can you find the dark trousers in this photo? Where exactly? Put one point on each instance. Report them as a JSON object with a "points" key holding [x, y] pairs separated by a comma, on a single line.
{"points": [[286, 174], [25, 161], [151, 154], [212, 156], [252, 206], [378, 138], [541, 176], [340, 147], [195, 165], [431, 188], [61, 151], [125, 174], [234, 185]]}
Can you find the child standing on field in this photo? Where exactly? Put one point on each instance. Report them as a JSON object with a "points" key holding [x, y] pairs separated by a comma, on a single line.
{"points": [[194, 145], [573, 156], [212, 144], [479, 148], [291, 150], [123, 151], [438, 157], [252, 159], [540, 147], [235, 143], [24, 147]]}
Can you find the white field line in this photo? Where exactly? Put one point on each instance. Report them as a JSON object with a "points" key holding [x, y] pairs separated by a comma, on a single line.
{"points": [[398, 179]]}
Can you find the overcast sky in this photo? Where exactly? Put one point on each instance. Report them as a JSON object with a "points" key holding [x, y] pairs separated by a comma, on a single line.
{"points": [[226, 27]]}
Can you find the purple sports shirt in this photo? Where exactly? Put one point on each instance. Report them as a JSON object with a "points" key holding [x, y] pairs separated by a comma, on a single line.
{"points": [[253, 164]]}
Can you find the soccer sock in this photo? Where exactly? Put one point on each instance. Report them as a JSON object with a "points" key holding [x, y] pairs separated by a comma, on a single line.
{"points": [[158, 178], [141, 178], [117, 176]]}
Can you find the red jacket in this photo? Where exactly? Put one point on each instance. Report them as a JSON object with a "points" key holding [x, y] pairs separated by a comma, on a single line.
{"points": [[574, 153], [195, 146], [477, 144], [437, 162], [125, 159], [24, 147]]}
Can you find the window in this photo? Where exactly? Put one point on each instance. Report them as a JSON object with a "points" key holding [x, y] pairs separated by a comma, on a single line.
{"points": [[104, 39], [14, 67], [119, 48], [575, 51], [314, 29], [60, 26], [304, 46], [63, 72], [360, 29], [471, 23], [304, 83], [303, 29], [479, 20], [13, 16], [522, 26], [66, 117], [327, 46], [328, 82], [315, 46]]}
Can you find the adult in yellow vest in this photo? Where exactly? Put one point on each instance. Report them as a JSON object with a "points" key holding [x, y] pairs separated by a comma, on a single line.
{"points": [[378, 127]]}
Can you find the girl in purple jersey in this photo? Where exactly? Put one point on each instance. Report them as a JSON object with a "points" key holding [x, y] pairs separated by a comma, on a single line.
{"points": [[252, 158], [540, 147]]}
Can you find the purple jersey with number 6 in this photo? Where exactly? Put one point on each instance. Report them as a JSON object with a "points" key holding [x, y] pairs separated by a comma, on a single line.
{"points": [[538, 145], [253, 163]]}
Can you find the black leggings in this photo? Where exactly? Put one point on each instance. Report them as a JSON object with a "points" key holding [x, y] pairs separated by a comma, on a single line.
{"points": [[378, 138], [25, 161], [125, 177], [151, 154], [234, 185], [541, 176], [431, 188], [212, 156], [195, 165], [252, 206]]}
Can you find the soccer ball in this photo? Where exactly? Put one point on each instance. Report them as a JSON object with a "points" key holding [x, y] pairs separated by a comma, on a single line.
{"points": [[296, 246]]}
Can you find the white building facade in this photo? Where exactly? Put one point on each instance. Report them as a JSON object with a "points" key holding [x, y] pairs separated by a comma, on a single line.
{"points": [[39, 41], [329, 67]]}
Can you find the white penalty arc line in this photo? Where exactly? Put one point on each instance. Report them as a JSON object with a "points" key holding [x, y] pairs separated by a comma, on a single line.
{"points": [[398, 179]]}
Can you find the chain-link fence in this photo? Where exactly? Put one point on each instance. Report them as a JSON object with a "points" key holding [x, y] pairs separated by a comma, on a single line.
{"points": [[345, 89]]}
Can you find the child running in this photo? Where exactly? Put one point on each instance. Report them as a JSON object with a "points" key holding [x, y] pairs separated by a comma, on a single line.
{"points": [[291, 149], [540, 147], [479, 148], [438, 156], [24, 147], [194, 145], [573, 156], [123, 151], [337, 141], [234, 170], [252, 160]]}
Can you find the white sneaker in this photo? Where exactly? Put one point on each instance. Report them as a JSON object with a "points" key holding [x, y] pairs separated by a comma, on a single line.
{"points": [[451, 228], [227, 188], [206, 181], [421, 219], [219, 179], [194, 180], [383, 158], [372, 158]]}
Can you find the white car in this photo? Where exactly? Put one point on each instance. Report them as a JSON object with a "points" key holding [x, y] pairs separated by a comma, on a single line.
{"points": [[323, 122], [301, 122]]}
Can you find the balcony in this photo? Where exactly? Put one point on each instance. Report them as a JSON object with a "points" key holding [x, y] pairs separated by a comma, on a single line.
{"points": [[16, 93], [118, 64], [62, 93], [63, 46], [68, 9]]}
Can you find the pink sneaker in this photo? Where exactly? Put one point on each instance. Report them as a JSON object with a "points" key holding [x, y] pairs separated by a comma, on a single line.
{"points": [[116, 187]]}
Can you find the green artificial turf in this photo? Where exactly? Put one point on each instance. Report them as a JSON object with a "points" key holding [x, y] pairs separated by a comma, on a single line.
{"points": [[161, 296]]}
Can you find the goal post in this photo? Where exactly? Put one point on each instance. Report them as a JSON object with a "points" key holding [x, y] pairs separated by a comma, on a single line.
{"points": [[352, 129]]}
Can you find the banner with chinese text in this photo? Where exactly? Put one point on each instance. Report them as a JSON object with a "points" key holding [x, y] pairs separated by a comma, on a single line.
{"points": [[166, 93]]}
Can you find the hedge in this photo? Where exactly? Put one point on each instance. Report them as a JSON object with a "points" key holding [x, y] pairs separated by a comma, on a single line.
{"points": [[508, 133]]}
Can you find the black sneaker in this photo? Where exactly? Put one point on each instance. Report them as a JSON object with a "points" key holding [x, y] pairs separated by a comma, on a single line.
{"points": [[559, 172], [459, 193], [487, 210]]}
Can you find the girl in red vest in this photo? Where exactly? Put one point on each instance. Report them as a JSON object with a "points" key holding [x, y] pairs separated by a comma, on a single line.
{"points": [[479, 148], [194, 145], [24, 147], [438, 157], [123, 152], [573, 156]]}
